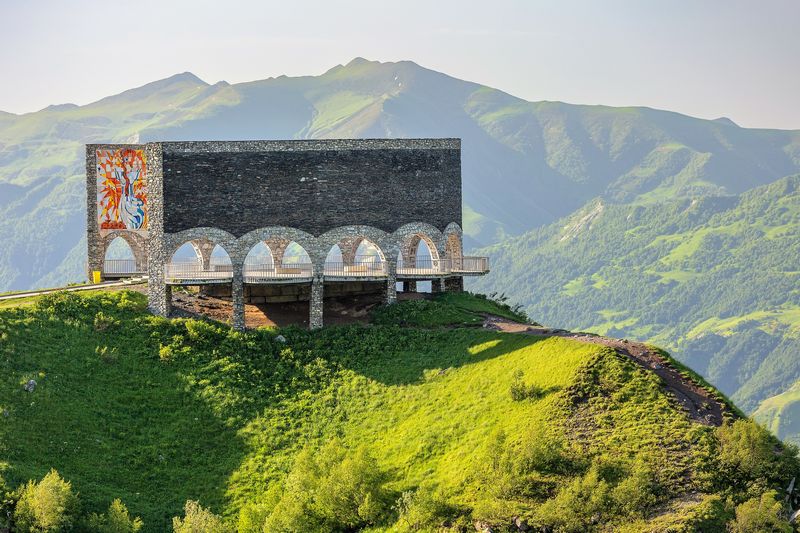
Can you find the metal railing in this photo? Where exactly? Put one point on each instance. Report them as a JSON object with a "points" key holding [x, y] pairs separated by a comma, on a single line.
{"points": [[221, 271], [470, 265], [120, 267], [359, 269], [422, 267], [184, 271], [259, 273]]}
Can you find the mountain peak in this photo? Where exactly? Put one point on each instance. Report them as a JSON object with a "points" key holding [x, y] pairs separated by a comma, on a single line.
{"points": [[726, 121]]}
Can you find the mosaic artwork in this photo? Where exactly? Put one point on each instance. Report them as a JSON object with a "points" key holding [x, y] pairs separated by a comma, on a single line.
{"points": [[121, 189]]}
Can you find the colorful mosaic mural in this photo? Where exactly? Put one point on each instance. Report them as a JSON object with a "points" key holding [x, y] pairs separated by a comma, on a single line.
{"points": [[121, 189]]}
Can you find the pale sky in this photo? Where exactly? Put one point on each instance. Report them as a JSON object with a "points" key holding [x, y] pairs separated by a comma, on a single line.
{"points": [[706, 58]]}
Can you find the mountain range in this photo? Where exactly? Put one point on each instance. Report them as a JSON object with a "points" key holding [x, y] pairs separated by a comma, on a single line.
{"points": [[654, 224]]}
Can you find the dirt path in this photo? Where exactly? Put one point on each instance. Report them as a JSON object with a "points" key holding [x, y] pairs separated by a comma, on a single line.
{"points": [[701, 406]]}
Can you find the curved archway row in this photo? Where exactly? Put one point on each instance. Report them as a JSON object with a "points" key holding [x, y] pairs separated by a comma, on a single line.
{"points": [[282, 254]]}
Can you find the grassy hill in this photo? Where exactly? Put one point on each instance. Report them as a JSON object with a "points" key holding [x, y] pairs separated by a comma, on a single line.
{"points": [[525, 164], [433, 424], [712, 278]]}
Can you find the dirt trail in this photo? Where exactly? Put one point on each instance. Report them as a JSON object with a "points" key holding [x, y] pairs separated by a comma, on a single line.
{"points": [[701, 406]]}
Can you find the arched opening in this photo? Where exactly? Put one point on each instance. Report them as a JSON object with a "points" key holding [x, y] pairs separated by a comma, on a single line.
{"points": [[355, 257], [188, 266], [419, 256], [121, 260]]}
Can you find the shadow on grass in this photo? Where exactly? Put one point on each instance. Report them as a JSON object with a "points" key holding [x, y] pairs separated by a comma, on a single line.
{"points": [[118, 425]]}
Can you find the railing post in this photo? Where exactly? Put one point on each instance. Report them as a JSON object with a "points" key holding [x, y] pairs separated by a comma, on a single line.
{"points": [[315, 306]]}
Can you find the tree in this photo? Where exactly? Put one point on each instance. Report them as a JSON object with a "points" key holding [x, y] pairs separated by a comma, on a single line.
{"points": [[49, 505], [760, 515], [198, 520], [116, 520]]}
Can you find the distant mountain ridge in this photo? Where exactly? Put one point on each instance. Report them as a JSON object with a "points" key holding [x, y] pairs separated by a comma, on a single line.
{"points": [[524, 164]]}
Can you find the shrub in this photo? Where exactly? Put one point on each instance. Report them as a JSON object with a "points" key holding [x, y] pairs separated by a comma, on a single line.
{"points": [[578, 506], [637, 492], [751, 460], [758, 515], [520, 391], [116, 520], [64, 305], [198, 520], [332, 490], [49, 505], [103, 321], [424, 510]]}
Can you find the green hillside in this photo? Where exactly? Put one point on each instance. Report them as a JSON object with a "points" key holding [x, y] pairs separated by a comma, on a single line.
{"points": [[366, 427], [524, 164], [713, 278]]}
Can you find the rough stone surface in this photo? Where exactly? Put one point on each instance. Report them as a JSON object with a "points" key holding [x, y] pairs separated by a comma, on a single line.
{"points": [[454, 284], [311, 185]]}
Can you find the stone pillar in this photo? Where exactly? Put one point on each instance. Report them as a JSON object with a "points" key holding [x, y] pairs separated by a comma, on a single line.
{"points": [[454, 284], [237, 299], [159, 295], [349, 247], [391, 282], [315, 305], [410, 286], [204, 248], [277, 246], [437, 285]]}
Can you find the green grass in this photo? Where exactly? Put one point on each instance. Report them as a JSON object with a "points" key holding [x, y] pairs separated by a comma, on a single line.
{"points": [[446, 309], [158, 411]]}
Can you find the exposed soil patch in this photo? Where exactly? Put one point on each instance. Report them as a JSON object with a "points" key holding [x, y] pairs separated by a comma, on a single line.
{"points": [[698, 403], [338, 310]]}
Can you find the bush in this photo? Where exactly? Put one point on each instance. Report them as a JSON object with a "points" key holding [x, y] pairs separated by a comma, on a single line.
{"points": [[49, 505], [751, 461], [580, 505], [332, 490], [424, 510], [198, 520], [520, 391], [116, 520], [103, 321], [64, 305], [758, 515]]}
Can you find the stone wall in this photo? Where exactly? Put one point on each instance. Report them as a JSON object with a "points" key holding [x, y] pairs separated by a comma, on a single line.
{"points": [[313, 186]]}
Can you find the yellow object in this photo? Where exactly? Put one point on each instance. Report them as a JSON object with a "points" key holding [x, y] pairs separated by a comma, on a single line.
{"points": [[96, 276]]}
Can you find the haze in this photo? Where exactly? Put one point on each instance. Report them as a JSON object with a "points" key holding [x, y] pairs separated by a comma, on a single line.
{"points": [[708, 59]]}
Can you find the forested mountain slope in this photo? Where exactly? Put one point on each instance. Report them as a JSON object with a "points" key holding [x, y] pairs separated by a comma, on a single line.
{"points": [[524, 164], [714, 278]]}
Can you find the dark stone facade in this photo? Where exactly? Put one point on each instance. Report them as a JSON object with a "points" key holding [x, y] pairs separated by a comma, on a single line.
{"points": [[314, 186]]}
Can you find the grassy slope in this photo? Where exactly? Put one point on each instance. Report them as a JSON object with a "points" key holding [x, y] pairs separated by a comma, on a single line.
{"points": [[715, 279], [187, 409]]}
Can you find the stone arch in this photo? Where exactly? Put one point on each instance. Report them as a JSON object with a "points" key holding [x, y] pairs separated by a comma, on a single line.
{"points": [[279, 236], [453, 241], [137, 243], [352, 236], [217, 236], [409, 235]]}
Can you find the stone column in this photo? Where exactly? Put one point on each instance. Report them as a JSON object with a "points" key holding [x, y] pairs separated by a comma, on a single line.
{"points": [[237, 299], [410, 286], [349, 247], [95, 248], [391, 282], [159, 295], [437, 285], [315, 305], [454, 284], [277, 246], [204, 248]]}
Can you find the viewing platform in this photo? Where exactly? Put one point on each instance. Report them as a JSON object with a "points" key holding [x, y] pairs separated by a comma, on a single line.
{"points": [[217, 272]]}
